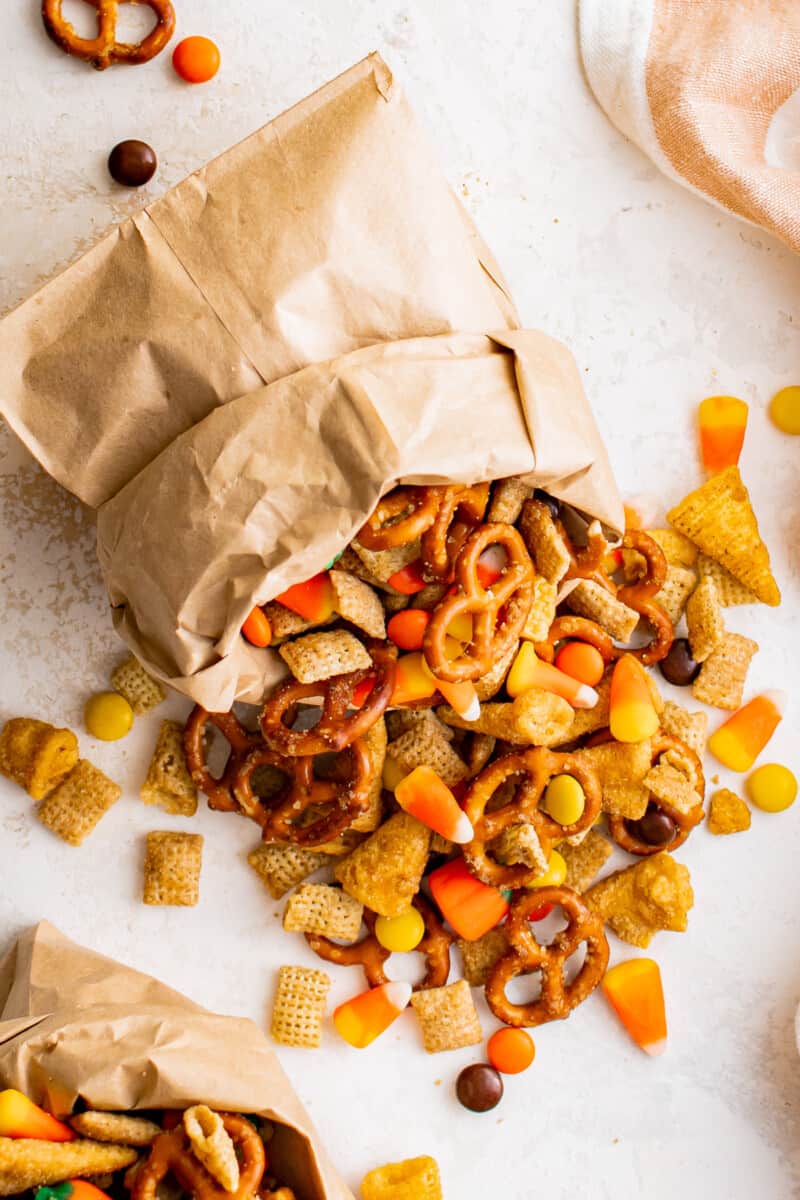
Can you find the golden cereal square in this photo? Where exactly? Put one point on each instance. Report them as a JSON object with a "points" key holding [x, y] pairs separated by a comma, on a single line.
{"points": [[299, 1006], [116, 1127], [508, 497], [385, 871], [358, 603], [490, 684], [730, 591], [400, 720], [542, 612], [676, 590], [36, 755], [413, 1179], [168, 783], [704, 621], [669, 784], [447, 1017], [380, 565], [642, 899], [689, 727], [724, 673], [320, 908], [284, 623], [30, 1163], [73, 810], [585, 860], [543, 541], [319, 656], [172, 868], [425, 746], [678, 550], [479, 957], [140, 689], [727, 813], [588, 599], [621, 768], [280, 868], [521, 844]]}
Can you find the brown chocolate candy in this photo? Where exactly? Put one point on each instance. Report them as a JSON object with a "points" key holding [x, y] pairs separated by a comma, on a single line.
{"points": [[479, 1087], [132, 163], [655, 828], [679, 668]]}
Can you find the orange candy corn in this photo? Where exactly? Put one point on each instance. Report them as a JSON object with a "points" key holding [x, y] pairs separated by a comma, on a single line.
{"points": [[632, 717], [413, 680], [528, 672], [723, 421], [407, 628], [83, 1190], [460, 696], [312, 599], [471, 907], [739, 741], [21, 1118], [634, 990], [257, 628], [360, 1020], [408, 580], [426, 797]]}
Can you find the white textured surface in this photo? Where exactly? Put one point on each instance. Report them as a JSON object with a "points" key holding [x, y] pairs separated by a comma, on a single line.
{"points": [[663, 301]]}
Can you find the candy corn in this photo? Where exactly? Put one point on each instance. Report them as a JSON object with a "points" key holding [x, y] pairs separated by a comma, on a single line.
{"points": [[739, 741], [634, 990], [632, 716], [407, 628], [491, 565], [426, 797], [471, 907], [21, 1118], [723, 420], [413, 680], [528, 671], [408, 580], [313, 599], [460, 696], [364, 1018], [257, 628]]}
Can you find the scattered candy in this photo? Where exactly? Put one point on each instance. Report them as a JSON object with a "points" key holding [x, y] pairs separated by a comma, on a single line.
{"points": [[408, 580], [784, 409], [196, 59], [407, 628], [739, 741], [393, 774], [461, 697], [772, 788], [257, 628], [555, 874], [426, 797], [632, 717], [491, 565], [541, 914], [564, 799], [634, 991], [108, 716], [582, 661], [679, 668], [21, 1118], [655, 828], [528, 672], [479, 1088], [460, 629], [364, 1018], [413, 680], [471, 907], [132, 163], [510, 1051], [361, 691], [74, 1189], [312, 599], [401, 934], [723, 420]]}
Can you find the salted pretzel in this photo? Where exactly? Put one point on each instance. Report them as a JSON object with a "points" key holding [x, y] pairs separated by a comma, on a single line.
{"points": [[371, 955], [103, 50], [588, 562], [640, 597], [460, 510], [498, 612], [557, 998], [335, 729], [402, 516], [568, 627], [623, 830], [171, 1154], [309, 811], [530, 772], [219, 792]]}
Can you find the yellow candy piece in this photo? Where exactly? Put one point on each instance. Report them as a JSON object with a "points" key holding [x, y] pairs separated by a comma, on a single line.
{"points": [[460, 629], [400, 934], [772, 788], [564, 799], [632, 717], [555, 874], [108, 716], [393, 774], [784, 409]]}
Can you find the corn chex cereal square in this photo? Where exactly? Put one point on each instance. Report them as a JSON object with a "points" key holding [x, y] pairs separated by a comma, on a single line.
{"points": [[585, 861], [542, 612], [704, 622], [320, 908], [36, 755], [589, 599], [691, 728], [299, 1006], [479, 957], [491, 683], [640, 900], [520, 844], [671, 786], [543, 541], [400, 720], [675, 591], [32, 1163], [75, 807], [322, 655], [425, 746], [168, 781], [727, 813], [678, 550], [380, 565], [447, 1017], [413, 1179], [358, 603], [385, 871], [280, 868], [508, 497], [140, 689], [172, 868], [284, 623], [730, 591], [724, 673]]}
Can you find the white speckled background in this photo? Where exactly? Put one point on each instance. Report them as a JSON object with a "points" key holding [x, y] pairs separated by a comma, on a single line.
{"points": [[663, 301]]}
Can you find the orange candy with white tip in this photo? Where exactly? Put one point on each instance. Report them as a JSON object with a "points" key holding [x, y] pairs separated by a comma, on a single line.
{"points": [[312, 599], [632, 717], [426, 797], [634, 990], [528, 672], [21, 1118], [413, 680], [739, 741], [723, 421], [364, 1018]]}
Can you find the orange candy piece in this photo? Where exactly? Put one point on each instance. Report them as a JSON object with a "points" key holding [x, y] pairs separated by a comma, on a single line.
{"points": [[634, 990], [739, 740], [528, 671], [510, 1051], [426, 797], [408, 580], [632, 717], [407, 628], [83, 1190], [723, 421], [471, 907], [582, 661], [413, 680], [257, 628], [364, 1018], [312, 599], [21, 1118], [196, 59]]}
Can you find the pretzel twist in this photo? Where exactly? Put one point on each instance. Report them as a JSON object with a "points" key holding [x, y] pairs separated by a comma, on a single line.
{"points": [[103, 50], [400, 517], [170, 1154], [219, 792], [558, 998], [443, 540], [532, 770], [581, 628], [588, 562], [622, 830], [640, 597], [498, 613]]}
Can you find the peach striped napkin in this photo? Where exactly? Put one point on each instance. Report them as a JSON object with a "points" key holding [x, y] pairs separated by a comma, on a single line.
{"points": [[710, 90]]}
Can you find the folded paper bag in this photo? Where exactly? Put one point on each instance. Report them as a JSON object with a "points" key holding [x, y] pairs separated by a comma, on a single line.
{"points": [[75, 1025]]}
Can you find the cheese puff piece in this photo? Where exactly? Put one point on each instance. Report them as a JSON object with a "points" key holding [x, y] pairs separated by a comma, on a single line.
{"points": [[313, 599], [471, 907], [413, 1179], [634, 990], [21, 1118], [723, 421], [739, 741], [426, 797], [528, 672], [632, 717], [364, 1018]]}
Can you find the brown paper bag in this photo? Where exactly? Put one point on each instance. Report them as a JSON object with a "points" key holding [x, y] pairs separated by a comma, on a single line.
{"points": [[77, 1025]]}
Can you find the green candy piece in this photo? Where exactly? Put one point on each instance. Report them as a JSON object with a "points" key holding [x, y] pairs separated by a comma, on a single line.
{"points": [[60, 1191], [334, 560]]}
